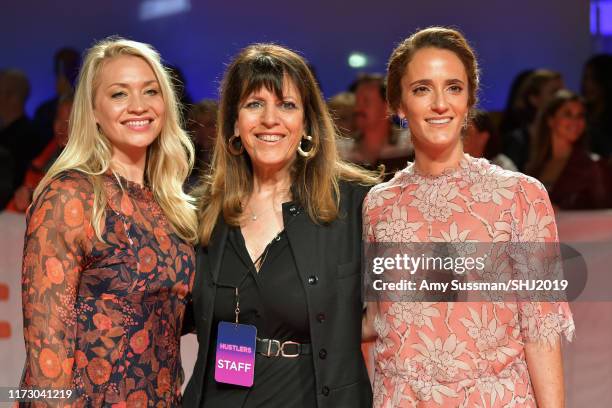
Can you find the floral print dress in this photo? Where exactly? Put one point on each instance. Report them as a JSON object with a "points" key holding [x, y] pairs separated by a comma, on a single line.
{"points": [[104, 318], [461, 354]]}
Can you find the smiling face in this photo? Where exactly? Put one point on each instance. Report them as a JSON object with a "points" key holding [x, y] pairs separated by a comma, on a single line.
{"points": [[128, 106], [434, 98], [271, 128], [568, 122]]}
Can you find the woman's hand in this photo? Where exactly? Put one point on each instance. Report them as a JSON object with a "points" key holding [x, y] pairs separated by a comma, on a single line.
{"points": [[368, 333]]}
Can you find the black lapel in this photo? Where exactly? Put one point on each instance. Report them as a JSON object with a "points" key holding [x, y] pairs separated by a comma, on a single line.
{"points": [[302, 234], [216, 247]]}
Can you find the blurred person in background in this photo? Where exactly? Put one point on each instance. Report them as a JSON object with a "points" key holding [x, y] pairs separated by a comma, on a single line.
{"points": [[202, 127], [560, 158], [39, 166], [511, 118], [7, 166], [537, 88], [378, 140], [482, 140], [342, 108], [17, 134], [66, 63], [371, 118], [597, 93]]}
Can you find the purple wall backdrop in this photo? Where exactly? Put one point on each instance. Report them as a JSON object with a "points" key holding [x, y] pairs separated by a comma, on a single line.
{"points": [[509, 36]]}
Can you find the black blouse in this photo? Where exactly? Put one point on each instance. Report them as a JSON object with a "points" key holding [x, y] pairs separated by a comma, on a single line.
{"points": [[326, 261], [274, 301]]}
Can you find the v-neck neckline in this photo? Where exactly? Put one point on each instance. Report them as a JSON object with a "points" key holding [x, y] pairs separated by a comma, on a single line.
{"points": [[243, 252]]}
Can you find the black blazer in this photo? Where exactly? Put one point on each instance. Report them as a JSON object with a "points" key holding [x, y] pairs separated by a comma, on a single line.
{"points": [[328, 259]]}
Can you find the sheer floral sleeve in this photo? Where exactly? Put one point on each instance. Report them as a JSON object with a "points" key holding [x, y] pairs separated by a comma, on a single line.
{"points": [[57, 241], [536, 227]]}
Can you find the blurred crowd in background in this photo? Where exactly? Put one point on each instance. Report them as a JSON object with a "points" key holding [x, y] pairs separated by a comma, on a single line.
{"points": [[562, 138]]}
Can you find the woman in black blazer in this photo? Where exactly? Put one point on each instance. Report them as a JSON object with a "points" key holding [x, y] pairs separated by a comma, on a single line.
{"points": [[280, 233]]}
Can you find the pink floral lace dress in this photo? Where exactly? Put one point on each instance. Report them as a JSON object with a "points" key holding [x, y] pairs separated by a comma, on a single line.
{"points": [[461, 354]]}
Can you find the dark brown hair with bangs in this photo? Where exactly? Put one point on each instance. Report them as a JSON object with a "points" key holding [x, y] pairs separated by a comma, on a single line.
{"points": [[315, 179]]}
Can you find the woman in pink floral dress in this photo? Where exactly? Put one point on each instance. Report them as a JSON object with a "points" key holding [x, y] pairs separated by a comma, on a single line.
{"points": [[462, 354]]}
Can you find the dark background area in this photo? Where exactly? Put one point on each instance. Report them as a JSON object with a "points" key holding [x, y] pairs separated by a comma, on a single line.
{"points": [[201, 36]]}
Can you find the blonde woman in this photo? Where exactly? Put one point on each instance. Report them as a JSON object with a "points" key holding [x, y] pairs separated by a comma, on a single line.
{"points": [[108, 261]]}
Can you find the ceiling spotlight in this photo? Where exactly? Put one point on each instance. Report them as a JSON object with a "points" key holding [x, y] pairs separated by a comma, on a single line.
{"points": [[357, 60]]}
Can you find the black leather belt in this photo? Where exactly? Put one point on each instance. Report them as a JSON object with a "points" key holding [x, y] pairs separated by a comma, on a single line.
{"points": [[289, 349]]}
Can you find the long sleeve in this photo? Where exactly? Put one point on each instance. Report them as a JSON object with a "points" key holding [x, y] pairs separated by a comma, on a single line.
{"points": [[58, 238]]}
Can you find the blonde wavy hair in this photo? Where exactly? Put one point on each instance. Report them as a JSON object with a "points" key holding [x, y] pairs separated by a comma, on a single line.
{"points": [[316, 179], [169, 158]]}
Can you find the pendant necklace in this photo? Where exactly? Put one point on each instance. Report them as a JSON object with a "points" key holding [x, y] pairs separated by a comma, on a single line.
{"points": [[254, 216]]}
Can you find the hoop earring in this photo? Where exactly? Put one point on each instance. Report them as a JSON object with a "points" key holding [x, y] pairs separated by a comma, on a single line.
{"points": [[306, 153], [232, 148]]}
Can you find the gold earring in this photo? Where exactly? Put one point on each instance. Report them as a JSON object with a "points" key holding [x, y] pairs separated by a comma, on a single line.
{"points": [[301, 151], [236, 151]]}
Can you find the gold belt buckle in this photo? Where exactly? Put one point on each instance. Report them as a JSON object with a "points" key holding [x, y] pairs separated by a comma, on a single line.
{"points": [[282, 349]]}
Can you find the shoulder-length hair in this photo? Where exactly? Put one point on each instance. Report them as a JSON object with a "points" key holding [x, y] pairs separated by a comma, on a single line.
{"points": [[541, 148], [315, 180], [169, 157]]}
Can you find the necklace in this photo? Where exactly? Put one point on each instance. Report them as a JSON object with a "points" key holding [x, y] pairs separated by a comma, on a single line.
{"points": [[254, 216]]}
